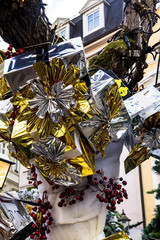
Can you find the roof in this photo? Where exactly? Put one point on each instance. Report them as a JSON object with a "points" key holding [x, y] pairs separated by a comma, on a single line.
{"points": [[90, 4]]}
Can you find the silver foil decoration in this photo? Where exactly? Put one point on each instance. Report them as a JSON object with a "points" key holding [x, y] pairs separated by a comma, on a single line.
{"points": [[51, 148], [19, 70], [56, 103], [151, 139], [143, 103], [71, 176], [100, 82]]}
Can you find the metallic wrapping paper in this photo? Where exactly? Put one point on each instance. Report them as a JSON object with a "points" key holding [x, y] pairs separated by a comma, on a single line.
{"points": [[137, 155], [150, 142], [140, 102], [118, 236], [61, 166], [110, 119], [53, 98], [52, 164], [18, 71], [5, 90], [14, 219], [56, 104]]}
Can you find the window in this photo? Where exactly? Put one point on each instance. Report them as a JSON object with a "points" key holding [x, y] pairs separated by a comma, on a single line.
{"points": [[63, 33], [93, 20]]}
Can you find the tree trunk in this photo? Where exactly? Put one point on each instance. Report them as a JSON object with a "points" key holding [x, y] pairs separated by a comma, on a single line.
{"points": [[23, 23]]}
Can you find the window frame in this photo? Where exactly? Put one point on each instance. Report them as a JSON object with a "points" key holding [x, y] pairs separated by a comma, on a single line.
{"points": [[99, 8], [93, 20]]}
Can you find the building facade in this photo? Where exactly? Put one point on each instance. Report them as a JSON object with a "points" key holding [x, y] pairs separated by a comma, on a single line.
{"points": [[12, 180]]}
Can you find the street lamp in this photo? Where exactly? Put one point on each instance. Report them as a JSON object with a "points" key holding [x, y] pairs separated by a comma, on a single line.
{"points": [[124, 220], [4, 169]]}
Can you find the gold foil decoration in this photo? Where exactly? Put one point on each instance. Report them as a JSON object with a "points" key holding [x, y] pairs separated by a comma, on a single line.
{"points": [[138, 155], [117, 236], [113, 100], [103, 135], [150, 140], [79, 110], [87, 160], [5, 90]]}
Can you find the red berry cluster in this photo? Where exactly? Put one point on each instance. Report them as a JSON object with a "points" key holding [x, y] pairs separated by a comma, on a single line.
{"points": [[70, 196], [33, 177], [109, 191], [40, 214], [13, 114], [10, 53]]}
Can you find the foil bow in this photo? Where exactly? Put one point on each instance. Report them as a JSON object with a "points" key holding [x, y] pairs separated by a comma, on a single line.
{"points": [[57, 95], [52, 163], [56, 104], [150, 141], [109, 122]]}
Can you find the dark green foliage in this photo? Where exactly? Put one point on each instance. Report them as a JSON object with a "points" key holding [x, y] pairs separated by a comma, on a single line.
{"points": [[112, 224], [152, 231]]}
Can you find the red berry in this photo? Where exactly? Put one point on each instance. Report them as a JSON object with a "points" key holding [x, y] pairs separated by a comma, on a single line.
{"points": [[21, 50], [113, 202], [124, 183], [7, 53], [78, 197], [98, 196], [111, 180], [101, 199], [39, 201], [49, 223], [106, 200], [10, 48], [119, 186], [32, 236], [100, 181], [36, 233], [61, 195], [48, 214], [11, 123], [105, 178], [121, 179], [13, 54], [33, 226], [113, 208], [44, 237], [34, 208], [107, 191], [108, 207], [48, 230], [45, 217]]}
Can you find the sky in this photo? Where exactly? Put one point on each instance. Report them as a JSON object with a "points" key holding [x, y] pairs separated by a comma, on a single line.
{"points": [[58, 8]]}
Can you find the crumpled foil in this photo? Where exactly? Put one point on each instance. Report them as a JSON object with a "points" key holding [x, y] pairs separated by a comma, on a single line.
{"points": [[14, 219], [18, 71], [110, 119], [117, 236], [56, 104], [52, 164], [57, 95], [139, 103], [149, 142]]}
